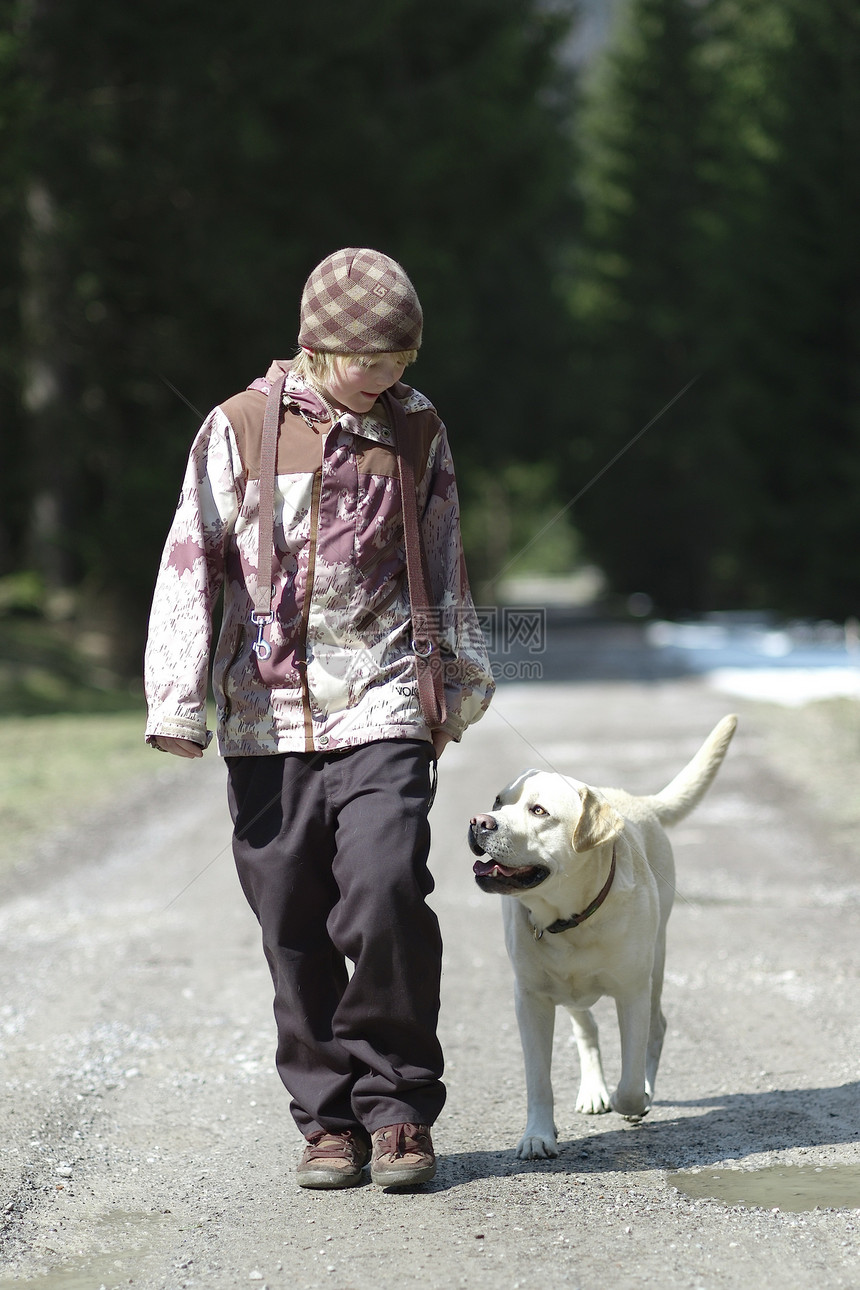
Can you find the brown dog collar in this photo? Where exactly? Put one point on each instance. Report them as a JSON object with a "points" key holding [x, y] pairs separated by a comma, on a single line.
{"points": [[565, 924]]}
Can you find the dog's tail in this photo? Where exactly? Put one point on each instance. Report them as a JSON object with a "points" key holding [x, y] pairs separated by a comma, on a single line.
{"points": [[689, 787]]}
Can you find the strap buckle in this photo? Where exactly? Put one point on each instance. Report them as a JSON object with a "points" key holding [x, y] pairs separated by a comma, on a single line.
{"points": [[262, 648], [422, 646]]}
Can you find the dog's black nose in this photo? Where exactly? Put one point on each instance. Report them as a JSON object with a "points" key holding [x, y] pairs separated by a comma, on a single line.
{"points": [[485, 822]]}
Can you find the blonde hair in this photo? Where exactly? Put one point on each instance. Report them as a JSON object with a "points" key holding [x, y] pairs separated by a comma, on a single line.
{"points": [[318, 366]]}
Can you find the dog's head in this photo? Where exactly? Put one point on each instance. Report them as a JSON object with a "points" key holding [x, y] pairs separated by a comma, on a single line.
{"points": [[537, 825]]}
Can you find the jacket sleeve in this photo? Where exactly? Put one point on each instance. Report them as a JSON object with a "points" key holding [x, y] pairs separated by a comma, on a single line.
{"points": [[176, 661], [469, 684]]}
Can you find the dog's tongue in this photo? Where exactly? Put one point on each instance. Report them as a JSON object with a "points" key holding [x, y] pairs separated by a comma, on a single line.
{"points": [[491, 869]]}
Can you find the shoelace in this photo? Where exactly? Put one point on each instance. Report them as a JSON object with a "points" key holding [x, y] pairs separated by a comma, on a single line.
{"points": [[401, 1140], [328, 1146]]}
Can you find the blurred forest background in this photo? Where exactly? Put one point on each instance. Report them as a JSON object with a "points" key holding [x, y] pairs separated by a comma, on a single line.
{"points": [[594, 214]]}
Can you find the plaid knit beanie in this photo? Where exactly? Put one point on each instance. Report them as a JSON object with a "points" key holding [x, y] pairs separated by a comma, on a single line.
{"points": [[359, 302]]}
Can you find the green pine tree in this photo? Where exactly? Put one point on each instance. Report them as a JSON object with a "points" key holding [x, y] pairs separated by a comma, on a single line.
{"points": [[720, 197], [650, 521], [791, 261]]}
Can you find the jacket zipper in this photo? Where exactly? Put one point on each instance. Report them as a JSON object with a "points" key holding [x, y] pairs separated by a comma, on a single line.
{"points": [[302, 661], [231, 663]]}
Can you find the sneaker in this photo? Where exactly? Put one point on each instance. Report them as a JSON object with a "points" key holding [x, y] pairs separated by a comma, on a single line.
{"points": [[332, 1160], [402, 1155]]}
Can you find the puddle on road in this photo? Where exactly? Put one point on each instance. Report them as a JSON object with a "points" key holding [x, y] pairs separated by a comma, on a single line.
{"points": [[98, 1274], [122, 1241], [795, 1189]]}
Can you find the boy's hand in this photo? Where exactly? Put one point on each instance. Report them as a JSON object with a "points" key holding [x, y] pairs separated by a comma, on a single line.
{"points": [[179, 747], [440, 742]]}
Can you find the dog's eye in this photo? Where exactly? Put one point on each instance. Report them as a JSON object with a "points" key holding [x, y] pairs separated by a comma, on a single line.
{"points": [[497, 803], [537, 809]]}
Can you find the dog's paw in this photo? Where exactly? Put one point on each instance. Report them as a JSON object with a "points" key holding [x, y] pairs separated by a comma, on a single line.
{"points": [[633, 1109], [593, 1099], [537, 1146]]}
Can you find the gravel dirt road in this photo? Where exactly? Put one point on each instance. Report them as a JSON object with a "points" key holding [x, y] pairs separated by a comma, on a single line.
{"points": [[145, 1139]]}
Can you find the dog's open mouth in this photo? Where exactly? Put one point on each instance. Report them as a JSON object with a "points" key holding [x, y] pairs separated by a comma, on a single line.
{"points": [[492, 876]]}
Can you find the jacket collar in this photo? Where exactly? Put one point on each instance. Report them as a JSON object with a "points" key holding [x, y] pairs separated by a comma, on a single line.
{"points": [[369, 425]]}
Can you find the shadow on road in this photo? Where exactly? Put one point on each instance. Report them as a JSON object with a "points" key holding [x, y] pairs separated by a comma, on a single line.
{"points": [[733, 1126]]}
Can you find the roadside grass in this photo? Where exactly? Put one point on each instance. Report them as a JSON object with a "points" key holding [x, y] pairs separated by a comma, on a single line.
{"points": [[817, 747], [71, 735], [54, 770]]}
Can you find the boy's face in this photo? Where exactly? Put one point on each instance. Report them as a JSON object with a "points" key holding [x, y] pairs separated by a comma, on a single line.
{"points": [[356, 383]]}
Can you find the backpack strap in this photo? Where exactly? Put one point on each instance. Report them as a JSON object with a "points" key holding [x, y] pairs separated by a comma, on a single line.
{"points": [[425, 625], [261, 614]]}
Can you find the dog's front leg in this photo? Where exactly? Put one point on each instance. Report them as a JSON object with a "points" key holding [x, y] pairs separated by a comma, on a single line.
{"points": [[536, 1021], [634, 1016], [593, 1096]]}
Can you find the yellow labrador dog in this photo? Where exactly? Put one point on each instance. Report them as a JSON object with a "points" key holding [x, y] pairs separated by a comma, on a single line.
{"points": [[592, 878]]}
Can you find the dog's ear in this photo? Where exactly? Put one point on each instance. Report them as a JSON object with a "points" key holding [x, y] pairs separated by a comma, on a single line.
{"points": [[598, 821]]}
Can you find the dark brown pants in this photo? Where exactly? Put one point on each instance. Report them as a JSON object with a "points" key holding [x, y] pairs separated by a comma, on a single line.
{"points": [[331, 850]]}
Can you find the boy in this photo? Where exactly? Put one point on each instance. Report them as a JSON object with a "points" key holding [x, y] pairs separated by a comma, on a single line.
{"points": [[330, 752]]}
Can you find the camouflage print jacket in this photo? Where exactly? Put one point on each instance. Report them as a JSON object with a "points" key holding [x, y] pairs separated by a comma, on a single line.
{"points": [[341, 671]]}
